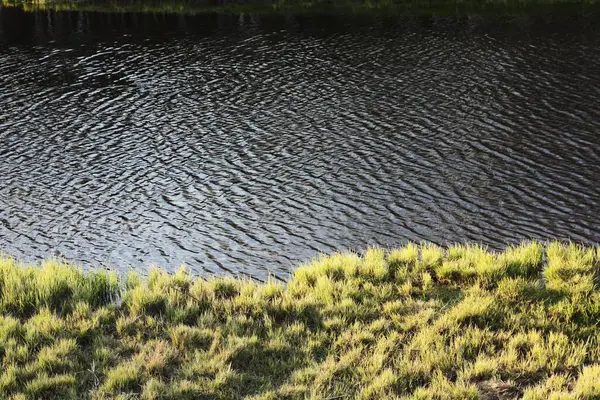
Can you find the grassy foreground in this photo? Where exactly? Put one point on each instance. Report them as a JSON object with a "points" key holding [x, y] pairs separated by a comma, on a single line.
{"points": [[418, 322]]}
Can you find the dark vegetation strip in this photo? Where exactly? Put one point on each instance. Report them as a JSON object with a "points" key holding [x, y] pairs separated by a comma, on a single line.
{"points": [[360, 7]]}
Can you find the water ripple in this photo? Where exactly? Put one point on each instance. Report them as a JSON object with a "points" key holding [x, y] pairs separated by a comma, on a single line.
{"points": [[240, 147]]}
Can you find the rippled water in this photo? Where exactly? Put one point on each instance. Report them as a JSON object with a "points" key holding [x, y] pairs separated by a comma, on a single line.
{"points": [[249, 144]]}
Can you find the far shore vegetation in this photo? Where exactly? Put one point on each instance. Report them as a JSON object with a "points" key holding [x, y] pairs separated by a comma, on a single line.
{"points": [[385, 7], [418, 322]]}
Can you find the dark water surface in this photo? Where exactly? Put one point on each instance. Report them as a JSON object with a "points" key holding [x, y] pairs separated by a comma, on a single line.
{"points": [[247, 144]]}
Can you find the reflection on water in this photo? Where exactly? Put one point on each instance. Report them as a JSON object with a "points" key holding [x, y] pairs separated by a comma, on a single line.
{"points": [[248, 144]]}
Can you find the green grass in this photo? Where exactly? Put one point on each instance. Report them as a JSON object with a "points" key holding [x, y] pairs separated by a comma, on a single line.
{"points": [[343, 7], [420, 322]]}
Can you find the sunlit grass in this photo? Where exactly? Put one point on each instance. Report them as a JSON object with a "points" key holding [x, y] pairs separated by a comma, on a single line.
{"points": [[419, 322]]}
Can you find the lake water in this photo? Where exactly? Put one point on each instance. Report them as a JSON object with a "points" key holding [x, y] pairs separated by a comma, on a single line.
{"points": [[249, 144]]}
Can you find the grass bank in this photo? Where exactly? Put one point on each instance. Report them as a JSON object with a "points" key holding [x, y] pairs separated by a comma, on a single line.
{"points": [[337, 7], [418, 322]]}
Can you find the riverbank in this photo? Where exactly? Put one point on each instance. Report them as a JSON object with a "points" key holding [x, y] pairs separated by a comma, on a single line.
{"points": [[354, 7], [418, 322]]}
